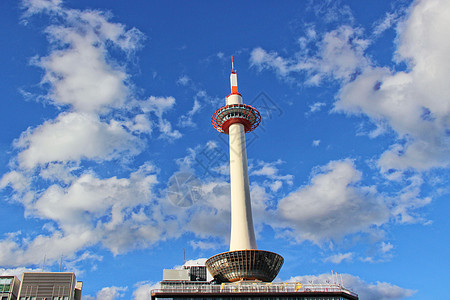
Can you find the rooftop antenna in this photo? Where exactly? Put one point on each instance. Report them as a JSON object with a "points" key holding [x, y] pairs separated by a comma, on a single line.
{"points": [[60, 263], [43, 264], [184, 256], [232, 63], [342, 281]]}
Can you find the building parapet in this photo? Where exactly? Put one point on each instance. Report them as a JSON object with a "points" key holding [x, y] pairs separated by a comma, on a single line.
{"points": [[252, 287]]}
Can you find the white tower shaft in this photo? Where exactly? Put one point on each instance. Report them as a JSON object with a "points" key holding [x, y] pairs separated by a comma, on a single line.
{"points": [[242, 232]]}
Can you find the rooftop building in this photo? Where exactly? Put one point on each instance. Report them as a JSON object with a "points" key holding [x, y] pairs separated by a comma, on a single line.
{"points": [[9, 287], [50, 286]]}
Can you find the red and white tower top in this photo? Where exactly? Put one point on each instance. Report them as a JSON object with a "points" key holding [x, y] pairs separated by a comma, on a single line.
{"points": [[235, 111]]}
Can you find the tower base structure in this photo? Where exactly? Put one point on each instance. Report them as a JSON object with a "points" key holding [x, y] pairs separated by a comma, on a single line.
{"points": [[245, 265]]}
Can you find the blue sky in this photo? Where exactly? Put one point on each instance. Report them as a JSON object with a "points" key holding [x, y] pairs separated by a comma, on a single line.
{"points": [[109, 162]]}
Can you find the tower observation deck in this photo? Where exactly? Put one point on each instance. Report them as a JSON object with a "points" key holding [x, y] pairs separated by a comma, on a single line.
{"points": [[244, 261]]}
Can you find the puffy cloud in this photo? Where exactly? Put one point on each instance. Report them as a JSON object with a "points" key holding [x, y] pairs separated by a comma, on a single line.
{"points": [[110, 293], [83, 209], [160, 105], [78, 70], [331, 11], [186, 120], [28, 251], [388, 22], [118, 213], [340, 55], [338, 258], [36, 6], [261, 59], [320, 210], [405, 203], [317, 106], [414, 103], [18, 181], [143, 290], [398, 101], [271, 171], [386, 247], [202, 245], [183, 80], [72, 137], [366, 291], [201, 98]]}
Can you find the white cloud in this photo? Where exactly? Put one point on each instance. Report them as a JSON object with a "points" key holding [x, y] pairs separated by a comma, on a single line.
{"points": [[332, 11], [143, 290], [317, 106], [72, 137], [86, 212], [78, 70], [408, 200], [100, 121], [414, 102], [110, 293], [202, 245], [270, 170], [276, 185], [200, 99], [159, 106], [340, 55], [365, 290], [183, 80], [319, 211], [37, 6], [316, 143], [18, 181], [340, 257], [186, 120], [263, 60], [386, 247], [388, 22]]}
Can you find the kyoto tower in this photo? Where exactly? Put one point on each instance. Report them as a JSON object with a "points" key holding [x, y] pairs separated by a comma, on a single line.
{"points": [[243, 261]]}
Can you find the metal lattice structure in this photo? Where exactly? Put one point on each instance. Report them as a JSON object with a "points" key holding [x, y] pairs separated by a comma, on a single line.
{"points": [[236, 113], [245, 265]]}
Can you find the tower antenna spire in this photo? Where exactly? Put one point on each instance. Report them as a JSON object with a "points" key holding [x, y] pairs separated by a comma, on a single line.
{"points": [[233, 79]]}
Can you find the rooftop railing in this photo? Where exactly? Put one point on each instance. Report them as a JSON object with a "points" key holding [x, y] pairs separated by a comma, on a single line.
{"points": [[252, 287]]}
